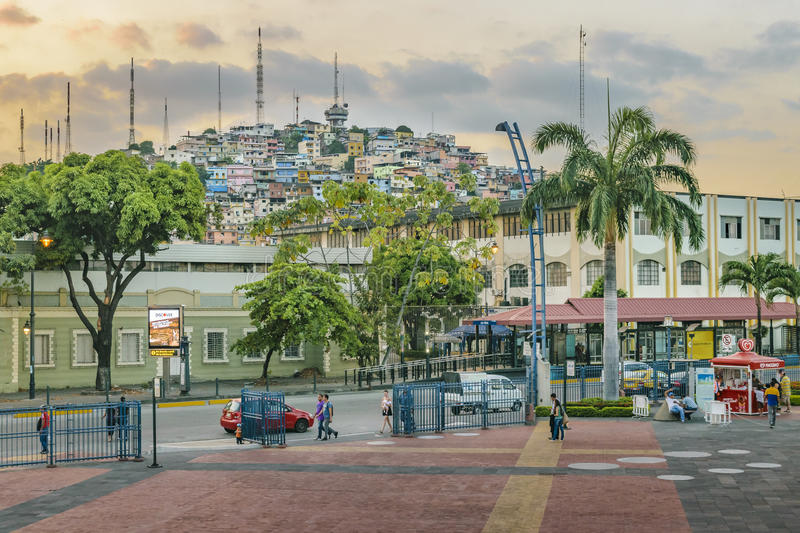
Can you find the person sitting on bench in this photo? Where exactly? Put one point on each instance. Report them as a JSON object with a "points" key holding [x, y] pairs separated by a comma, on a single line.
{"points": [[675, 407]]}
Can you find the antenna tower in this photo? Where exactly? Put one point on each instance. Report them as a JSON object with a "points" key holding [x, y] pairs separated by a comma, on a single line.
{"points": [[131, 134], [21, 137], [68, 140], [58, 136], [219, 99], [45, 141], [335, 78], [165, 134], [51, 143], [581, 60], [297, 108], [259, 84]]}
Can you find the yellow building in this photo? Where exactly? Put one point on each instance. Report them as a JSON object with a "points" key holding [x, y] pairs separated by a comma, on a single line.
{"points": [[355, 148]]}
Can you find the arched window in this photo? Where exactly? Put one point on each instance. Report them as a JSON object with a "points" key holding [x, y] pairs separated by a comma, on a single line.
{"points": [[690, 273], [647, 272], [517, 276], [556, 274], [594, 269]]}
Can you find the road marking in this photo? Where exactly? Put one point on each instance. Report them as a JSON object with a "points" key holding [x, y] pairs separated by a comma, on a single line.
{"points": [[539, 451], [603, 451], [520, 507], [218, 402], [405, 449], [182, 404]]}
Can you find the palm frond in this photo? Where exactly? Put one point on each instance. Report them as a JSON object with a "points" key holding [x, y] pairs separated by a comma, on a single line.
{"points": [[626, 123], [570, 136]]}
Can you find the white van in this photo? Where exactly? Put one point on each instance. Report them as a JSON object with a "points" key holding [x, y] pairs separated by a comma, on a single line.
{"points": [[465, 392]]}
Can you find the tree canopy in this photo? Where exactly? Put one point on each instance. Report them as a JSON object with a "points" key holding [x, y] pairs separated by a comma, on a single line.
{"points": [[404, 129], [598, 287]]}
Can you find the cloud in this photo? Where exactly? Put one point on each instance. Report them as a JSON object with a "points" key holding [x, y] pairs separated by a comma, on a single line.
{"points": [[271, 32], [422, 78], [197, 35], [16, 16], [695, 107], [131, 35], [744, 133], [628, 56], [792, 104], [776, 48], [534, 49]]}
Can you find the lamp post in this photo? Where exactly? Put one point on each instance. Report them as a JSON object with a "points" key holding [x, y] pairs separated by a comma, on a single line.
{"points": [[29, 328], [494, 248], [668, 324]]}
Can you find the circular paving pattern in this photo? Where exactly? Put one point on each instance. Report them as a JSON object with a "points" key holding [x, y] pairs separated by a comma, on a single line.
{"points": [[380, 442], [674, 477], [466, 434], [687, 454], [593, 466], [430, 437], [725, 470], [642, 460], [763, 465], [735, 452]]}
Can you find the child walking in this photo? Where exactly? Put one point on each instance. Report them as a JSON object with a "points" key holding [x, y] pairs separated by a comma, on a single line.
{"points": [[239, 439]]}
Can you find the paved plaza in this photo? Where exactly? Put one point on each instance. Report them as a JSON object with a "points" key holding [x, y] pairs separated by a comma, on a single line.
{"points": [[608, 475]]}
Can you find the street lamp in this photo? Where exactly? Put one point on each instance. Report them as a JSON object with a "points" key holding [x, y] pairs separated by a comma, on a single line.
{"points": [[668, 324], [29, 328]]}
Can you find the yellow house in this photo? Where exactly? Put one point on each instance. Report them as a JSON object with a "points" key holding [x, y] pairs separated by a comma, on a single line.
{"points": [[355, 148]]}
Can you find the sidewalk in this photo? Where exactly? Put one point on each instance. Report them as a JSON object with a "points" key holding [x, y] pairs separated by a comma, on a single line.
{"points": [[204, 390]]}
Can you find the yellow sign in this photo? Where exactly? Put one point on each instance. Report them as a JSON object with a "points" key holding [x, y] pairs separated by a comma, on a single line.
{"points": [[702, 345], [162, 352]]}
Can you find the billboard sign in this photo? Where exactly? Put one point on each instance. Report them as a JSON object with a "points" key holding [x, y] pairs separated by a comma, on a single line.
{"points": [[164, 331]]}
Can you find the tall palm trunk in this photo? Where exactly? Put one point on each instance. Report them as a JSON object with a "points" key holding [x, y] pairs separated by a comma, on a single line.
{"points": [[758, 321], [610, 335]]}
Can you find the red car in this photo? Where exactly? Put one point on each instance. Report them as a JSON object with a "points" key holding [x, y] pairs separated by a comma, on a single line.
{"points": [[296, 419]]}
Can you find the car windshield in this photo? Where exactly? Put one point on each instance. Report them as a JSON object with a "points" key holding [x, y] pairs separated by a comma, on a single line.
{"points": [[232, 405], [636, 366]]}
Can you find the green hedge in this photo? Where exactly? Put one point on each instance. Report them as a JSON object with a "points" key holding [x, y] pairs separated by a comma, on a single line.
{"points": [[600, 403], [616, 411], [585, 411], [795, 400]]}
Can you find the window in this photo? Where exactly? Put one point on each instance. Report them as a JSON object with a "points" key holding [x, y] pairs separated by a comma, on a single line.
{"points": [[770, 229], [731, 227], [690, 273], [487, 279], [648, 272], [641, 224], [512, 226], [594, 269], [517, 276], [215, 346], [556, 222], [43, 348], [252, 356], [129, 347], [292, 353], [82, 350], [477, 229], [556, 274]]}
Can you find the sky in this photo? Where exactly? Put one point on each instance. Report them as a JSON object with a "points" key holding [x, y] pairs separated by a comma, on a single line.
{"points": [[723, 73]]}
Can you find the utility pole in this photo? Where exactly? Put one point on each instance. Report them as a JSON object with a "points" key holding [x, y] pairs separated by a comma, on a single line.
{"points": [[45, 141], [259, 84], [131, 134], [58, 135], [68, 140]]}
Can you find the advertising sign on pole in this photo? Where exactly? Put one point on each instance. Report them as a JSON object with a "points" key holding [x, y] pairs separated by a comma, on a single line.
{"points": [[704, 387], [164, 331], [571, 368]]}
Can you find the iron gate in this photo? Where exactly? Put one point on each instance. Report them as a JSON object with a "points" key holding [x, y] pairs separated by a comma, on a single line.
{"points": [[264, 417]]}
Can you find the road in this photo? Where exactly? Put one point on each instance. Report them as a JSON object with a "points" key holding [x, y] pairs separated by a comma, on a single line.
{"points": [[356, 414]]}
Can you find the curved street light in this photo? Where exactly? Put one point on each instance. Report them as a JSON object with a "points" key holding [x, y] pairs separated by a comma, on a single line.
{"points": [[46, 241]]}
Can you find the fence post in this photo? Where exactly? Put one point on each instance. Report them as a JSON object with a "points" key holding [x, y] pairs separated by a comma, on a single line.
{"points": [[485, 410], [583, 382], [359, 379], [314, 373], [216, 387], [440, 410], [655, 380], [139, 457], [48, 395], [51, 458]]}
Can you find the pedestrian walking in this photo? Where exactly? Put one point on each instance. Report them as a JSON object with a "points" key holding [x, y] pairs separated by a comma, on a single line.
{"points": [[42, 426], [771, 394], [386, 410], [111, 420], [556, 418], [318, 416], [122, 426], [327, 413], [786, 390], [239, 439]]}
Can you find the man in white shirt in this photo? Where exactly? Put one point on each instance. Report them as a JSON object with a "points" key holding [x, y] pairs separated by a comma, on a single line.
{"points": [[674, 405]]}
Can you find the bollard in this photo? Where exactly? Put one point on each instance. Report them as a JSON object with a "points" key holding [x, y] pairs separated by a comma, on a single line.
{"points": [[345, 378], [155, 449], [107, 385], [216, 387]]}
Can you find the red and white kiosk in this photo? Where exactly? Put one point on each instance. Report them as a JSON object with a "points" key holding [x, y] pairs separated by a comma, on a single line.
{"points": [[736, 372]]}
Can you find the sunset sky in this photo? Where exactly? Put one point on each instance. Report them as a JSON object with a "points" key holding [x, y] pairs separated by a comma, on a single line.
{"points": [[725, 73]]}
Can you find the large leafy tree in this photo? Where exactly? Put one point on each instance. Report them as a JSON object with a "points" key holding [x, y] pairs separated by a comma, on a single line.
{"points": [[788, 284], [605, 184], [109, 210], [757, 273], [296, 303]]}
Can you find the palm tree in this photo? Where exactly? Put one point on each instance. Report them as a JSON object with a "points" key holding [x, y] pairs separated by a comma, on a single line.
{"points": [[604, 186], [788, 284], [756, 273]]}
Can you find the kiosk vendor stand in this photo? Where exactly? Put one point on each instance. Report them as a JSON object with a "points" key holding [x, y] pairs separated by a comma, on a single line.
{"points": [[737, 376]]}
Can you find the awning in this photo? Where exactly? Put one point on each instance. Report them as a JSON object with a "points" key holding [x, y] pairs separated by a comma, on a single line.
{"points": [[751, 360], [469, 331]]}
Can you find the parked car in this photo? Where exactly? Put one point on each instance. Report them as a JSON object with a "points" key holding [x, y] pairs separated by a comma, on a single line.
{"points": [[465, 392], [640, 376], [296, 419]]}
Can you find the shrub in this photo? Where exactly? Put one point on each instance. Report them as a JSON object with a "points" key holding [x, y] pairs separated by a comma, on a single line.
{"points": [[795, 399], [616, 411], [581, 411], [542, 411]]}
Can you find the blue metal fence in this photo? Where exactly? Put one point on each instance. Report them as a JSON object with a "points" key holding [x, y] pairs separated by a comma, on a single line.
{"points": [[440, 406], [80, 432], [264, 417]]}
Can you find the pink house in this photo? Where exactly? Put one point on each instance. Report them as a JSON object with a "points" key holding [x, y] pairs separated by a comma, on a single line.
{"points": [[239, 175]]}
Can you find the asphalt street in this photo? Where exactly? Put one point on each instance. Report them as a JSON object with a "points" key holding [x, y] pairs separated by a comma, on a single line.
{"points": [[197, 427]]}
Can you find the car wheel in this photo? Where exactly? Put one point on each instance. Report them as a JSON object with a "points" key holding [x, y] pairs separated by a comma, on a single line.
{"points": [[477, 409], [456, 410], [516, 406], [228, 430], [301, 425]]}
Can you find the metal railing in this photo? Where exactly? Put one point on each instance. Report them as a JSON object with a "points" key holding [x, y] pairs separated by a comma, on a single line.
{"points": [[264, 417], [429, 368], [440, 406], [79, 432]]}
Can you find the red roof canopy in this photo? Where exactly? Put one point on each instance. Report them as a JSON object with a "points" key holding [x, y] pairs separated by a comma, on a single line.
{"points": [[749, 359], [590, 311]]}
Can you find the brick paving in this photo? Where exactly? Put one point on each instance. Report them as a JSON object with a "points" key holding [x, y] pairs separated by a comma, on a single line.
{"points": [[504, 479]]}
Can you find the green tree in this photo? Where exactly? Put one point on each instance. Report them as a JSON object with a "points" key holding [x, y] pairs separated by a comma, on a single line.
{"points": [[463, 168], [133, 146], [209, 131], [297, 303], [291, 141], [108, 209], [336, 147], [597, 290], [350, 164], [757, 273], [404, 129], [605, 185], [14, 266], [788, 284], [202, 174], [146, 147]]}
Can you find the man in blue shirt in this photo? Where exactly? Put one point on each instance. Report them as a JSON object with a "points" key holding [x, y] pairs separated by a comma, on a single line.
{"points": [[327, 413]]}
